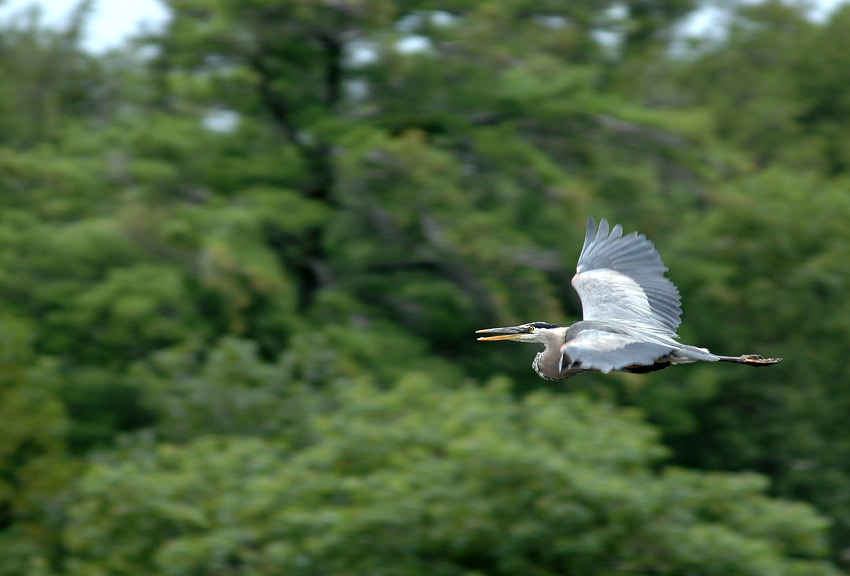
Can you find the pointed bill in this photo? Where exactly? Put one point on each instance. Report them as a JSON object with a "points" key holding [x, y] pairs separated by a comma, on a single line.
{"points": [[506, 333]]}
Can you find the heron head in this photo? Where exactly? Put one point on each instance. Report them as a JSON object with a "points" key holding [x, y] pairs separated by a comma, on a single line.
{"points": [[532, 332]]}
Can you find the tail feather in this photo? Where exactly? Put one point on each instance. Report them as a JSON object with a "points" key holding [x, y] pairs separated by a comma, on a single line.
{"points": [[751, 360]]}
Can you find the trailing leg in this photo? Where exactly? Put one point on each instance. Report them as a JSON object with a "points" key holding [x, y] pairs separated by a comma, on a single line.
{"points": [[750, 359]]}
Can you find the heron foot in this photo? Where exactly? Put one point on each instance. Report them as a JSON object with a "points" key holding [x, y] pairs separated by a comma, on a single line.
{"points": [[757, 360]]}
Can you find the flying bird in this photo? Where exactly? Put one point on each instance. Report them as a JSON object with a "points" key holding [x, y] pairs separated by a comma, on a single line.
{"points": [[631, 311]]}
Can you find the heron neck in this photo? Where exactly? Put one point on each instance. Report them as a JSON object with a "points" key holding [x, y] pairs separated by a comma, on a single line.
{"points": [[546, 362]]}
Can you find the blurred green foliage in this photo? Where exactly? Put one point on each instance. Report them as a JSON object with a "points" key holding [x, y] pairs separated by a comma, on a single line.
{"points": [[549, 485], [241, 268]]}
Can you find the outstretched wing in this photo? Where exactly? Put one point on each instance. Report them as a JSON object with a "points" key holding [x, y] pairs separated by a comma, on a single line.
{"points": [[622, 278], [607, 351]]}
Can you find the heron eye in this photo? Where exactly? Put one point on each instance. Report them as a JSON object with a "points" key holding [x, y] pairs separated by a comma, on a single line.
{"points": [[531, 328]]}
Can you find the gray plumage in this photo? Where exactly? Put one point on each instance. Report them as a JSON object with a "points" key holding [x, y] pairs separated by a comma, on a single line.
{"points": [[618, 277], [630, 310]]}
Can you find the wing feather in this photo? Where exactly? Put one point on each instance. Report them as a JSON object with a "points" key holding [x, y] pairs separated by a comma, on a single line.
{"points": [[622, 278], [607, 351]]}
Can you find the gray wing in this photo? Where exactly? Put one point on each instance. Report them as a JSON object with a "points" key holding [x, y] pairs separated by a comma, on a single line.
{"points": [[607, 351], [622, 278]]}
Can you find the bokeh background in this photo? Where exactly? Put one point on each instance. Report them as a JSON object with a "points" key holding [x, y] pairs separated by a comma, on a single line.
{"points": [[243, 256]]}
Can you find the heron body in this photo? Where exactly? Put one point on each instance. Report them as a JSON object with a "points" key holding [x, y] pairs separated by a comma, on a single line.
{"points": [[631, 311]]}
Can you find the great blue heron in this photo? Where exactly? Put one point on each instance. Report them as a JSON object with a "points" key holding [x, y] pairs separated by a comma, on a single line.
{"points": [[630, 310]]}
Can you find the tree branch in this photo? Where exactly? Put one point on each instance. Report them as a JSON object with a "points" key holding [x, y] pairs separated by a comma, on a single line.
{"points": [[276, 105]]}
